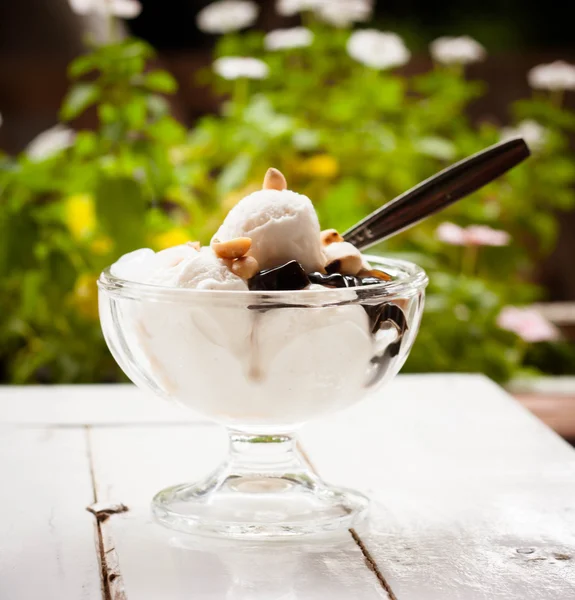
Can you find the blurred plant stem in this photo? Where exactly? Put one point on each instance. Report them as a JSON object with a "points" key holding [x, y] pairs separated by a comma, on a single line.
{"points": [[241, 93], [557, 98], [469, 256]]}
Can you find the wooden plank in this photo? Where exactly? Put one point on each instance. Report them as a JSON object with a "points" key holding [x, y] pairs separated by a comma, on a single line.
{"points": [[131, 464], [110, 405], [556, 411], [47, 547], [70, 405], [473, 495]]}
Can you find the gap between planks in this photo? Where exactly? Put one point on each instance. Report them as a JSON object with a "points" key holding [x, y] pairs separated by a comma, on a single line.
{"points": [[369, 560], [111, 578]]}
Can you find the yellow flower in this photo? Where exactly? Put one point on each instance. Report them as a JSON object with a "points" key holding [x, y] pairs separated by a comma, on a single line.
{"points": [[173, 237], [101, 245], [85, 295], [321, 165], [80, 215]]}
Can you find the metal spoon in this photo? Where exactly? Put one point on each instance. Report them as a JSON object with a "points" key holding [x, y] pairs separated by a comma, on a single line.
{"points": [[437, 192]]}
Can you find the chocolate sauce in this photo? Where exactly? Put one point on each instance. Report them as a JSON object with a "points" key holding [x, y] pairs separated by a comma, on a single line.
{"points": [[335, 280], [380, 313], [370, 280], [290, 276]]}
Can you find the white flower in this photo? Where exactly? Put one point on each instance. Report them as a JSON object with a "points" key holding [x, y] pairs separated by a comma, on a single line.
{"points": [[125, 9], [236, 67], [281, 39], [227, 15], [457, 50], [288, 8], [558, 75], [532, 132], [50, 141], [342, 13], [377, 49]]}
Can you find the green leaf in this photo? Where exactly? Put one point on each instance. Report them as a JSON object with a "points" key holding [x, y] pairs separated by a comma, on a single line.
{"points": [[82, 65], [18, 234], [135, 113], [157, 105], [121, 209], [107, 113], [436, 147], [342, 206], [305, 139], [390, 93], [80, 97], [235, 174], [86, 143], [133, 48], [61, 270], [31, 293], [160, 81], [167, 131]]}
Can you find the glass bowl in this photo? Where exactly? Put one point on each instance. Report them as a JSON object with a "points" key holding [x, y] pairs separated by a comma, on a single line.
{"points": [[262, 364]]}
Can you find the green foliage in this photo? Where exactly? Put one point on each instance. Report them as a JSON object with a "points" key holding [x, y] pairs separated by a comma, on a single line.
{"points": [[348, 136]]}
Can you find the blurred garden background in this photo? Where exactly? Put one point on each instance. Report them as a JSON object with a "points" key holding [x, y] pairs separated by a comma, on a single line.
{"points": [[127, 124]]}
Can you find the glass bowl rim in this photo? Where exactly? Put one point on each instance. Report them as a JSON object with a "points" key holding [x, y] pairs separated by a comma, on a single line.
{"points": [[415, 280]]}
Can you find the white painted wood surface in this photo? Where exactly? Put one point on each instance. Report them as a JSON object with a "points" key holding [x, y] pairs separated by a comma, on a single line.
{"points": [[87, 405], [474, 499], [47, 547]]}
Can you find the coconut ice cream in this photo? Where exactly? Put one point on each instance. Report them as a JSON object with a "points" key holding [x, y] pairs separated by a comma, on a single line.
{"points": [[281, 224], [235, 357]]}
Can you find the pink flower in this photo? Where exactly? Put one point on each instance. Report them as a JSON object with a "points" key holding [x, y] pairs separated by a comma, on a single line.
{"points": [[450, 233], [474, 235], [527, 323], [481, 235]]}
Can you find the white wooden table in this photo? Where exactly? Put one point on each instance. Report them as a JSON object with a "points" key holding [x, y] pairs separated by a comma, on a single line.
{"points": [[474, 499]]}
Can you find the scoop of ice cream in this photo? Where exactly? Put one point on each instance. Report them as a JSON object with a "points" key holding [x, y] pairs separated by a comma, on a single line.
{"points": [[133, 266], [180, 266], [282, 225], [206, 271], [145, 265]]}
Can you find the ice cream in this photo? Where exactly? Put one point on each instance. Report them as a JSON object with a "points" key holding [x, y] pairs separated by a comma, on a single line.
{"points": [[179, 266], [237, 358], [271, 240], [282, 225]]}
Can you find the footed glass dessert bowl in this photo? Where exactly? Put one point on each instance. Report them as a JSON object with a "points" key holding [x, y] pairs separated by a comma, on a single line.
{"points": [[262, 364]]}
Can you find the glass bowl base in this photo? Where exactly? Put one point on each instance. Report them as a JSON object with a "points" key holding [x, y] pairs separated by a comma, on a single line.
{"points": [[256, 507]]}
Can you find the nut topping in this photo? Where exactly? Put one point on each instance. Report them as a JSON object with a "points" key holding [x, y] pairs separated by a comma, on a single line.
{"points": [[245, 267], [381, 275], [343, 258], [274, 180], [330, 236], [235, 248]]}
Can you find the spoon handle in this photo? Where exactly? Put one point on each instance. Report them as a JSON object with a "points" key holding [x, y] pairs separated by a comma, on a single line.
{"points": [[437, 192]]}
